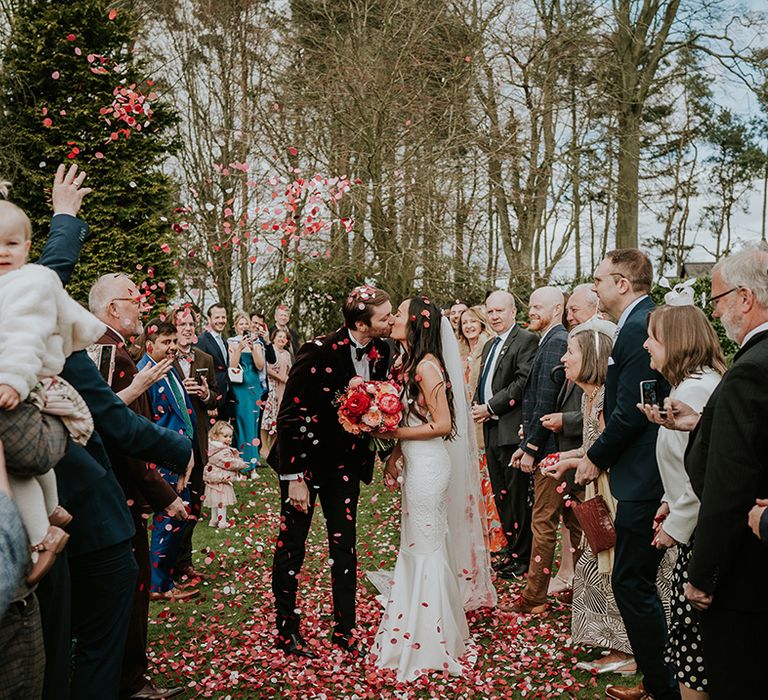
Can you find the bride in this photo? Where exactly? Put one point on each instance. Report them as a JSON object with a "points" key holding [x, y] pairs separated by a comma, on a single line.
{"points": [[443, 567]]}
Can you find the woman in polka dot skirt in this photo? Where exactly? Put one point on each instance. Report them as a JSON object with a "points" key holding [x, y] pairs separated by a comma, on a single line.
{"points": [[684, 348]]}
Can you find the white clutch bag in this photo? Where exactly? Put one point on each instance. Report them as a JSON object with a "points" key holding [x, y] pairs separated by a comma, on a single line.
{"points": [[235, 375]]}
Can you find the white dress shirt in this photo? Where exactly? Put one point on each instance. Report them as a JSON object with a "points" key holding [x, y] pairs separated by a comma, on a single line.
{"points": [[222, 345], [625, 314], [487, 385]]}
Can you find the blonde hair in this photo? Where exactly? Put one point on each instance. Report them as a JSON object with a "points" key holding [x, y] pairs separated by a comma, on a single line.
{"points": [[690, 343], [479, 313], [219, 428], [8, 209], [237, 315]]}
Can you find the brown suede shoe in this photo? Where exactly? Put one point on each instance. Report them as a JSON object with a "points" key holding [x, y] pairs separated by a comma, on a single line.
{"points": [[520, 607], [174, 595]]}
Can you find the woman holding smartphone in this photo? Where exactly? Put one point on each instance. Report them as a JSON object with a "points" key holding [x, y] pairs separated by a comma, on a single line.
{"points": [[246, 362], [684, 348]]}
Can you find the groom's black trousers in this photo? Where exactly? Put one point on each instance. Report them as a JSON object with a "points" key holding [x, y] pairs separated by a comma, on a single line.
{"points": [[338, 498]]}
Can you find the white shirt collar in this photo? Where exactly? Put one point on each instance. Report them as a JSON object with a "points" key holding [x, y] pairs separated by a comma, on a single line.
{"points": [[117, 333], [503, 336], [352, 340], [758, 329], [625, 315]]}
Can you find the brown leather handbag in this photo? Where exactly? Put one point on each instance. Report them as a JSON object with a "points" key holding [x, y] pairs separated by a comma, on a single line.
{"points": [[596, 523]]}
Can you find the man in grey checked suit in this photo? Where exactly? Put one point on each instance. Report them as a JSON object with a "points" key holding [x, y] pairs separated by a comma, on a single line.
{"points": [[498, 406], [540, 399]]}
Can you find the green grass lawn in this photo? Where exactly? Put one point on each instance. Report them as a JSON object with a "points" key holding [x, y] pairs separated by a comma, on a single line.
{"points": [[220, 645]]}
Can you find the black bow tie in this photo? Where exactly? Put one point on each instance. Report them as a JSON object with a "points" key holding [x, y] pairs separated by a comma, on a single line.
{"points": [[361, 352]]}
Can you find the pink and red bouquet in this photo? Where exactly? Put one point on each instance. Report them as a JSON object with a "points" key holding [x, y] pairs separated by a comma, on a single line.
{"points": [[370, 407]]}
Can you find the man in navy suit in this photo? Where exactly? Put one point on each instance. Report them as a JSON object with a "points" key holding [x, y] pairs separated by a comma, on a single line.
{"points": [[213, 342], [171, 408], [88, 593], [627, 447]]}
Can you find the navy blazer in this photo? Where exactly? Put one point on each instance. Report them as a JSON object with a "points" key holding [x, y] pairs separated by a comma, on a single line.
{"points": [[627, 446], [86, 483], [541, 392], [207, 343], [165, 411]]}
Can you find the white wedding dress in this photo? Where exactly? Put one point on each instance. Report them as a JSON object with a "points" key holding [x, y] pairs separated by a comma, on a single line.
{"points": [[443, 567]]}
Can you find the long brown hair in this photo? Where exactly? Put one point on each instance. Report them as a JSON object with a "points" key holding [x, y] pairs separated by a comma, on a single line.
{"points": [[424, 320], [690, 342]]}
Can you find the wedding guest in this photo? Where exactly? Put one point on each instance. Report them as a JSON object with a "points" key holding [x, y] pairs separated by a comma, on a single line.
{"points": [[246, 362], [454, 315], [32, 443], [595, 621], [498, 407], [278, 374], [627, 446], [727, 465], [198, 374], [542, 388], [212, 341], [473, 334], [684, 347], [566, 424], [14, 555], [172, 409], [282, 323], [116, 300], [223, 463]]}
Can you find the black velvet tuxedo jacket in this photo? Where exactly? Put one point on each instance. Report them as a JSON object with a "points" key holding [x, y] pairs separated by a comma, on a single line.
{"points": [[627, 446], [509, 378], [310, 439], [727, 460]]}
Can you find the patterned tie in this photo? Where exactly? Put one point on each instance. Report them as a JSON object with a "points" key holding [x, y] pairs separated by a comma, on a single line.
{"points": [[189, 431], [487, 366]]}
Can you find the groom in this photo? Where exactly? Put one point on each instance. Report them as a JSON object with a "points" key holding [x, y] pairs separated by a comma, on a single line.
{"points": [[315, 458]]}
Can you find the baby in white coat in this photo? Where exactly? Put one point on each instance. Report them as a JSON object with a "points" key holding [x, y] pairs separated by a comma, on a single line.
{"points": [[40, 325]]}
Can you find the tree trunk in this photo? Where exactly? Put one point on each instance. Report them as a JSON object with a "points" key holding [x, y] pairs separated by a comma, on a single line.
{"points": [[627, 188]]}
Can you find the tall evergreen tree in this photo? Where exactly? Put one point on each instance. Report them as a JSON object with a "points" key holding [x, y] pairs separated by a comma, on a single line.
{"points": [[73, 90]]}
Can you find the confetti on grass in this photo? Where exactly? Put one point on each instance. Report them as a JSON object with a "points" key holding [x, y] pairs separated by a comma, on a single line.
{"points": [[221, 645]]}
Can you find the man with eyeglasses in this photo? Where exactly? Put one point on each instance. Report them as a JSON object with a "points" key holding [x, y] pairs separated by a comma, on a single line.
{"points": [[627, 447], [116, 300], [727, 460]]}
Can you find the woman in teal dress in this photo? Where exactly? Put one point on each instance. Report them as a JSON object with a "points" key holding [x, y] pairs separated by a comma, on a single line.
{"points": [[246, 361]]}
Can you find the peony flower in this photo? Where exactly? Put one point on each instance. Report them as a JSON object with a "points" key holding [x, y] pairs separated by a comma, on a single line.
{"points": [[355, 382], [390, 404], [373, 417]]}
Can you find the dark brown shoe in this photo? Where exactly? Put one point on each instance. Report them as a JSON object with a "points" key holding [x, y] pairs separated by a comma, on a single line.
{"points": [[152, 692], [622, 692]]}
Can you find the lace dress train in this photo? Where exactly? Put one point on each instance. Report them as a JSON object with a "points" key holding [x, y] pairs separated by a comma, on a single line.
{"points": [[423, 626]]}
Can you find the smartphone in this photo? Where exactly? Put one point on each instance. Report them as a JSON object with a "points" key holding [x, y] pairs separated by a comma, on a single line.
{"points": [[200, 374], [649, 394], [106, 362]]}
